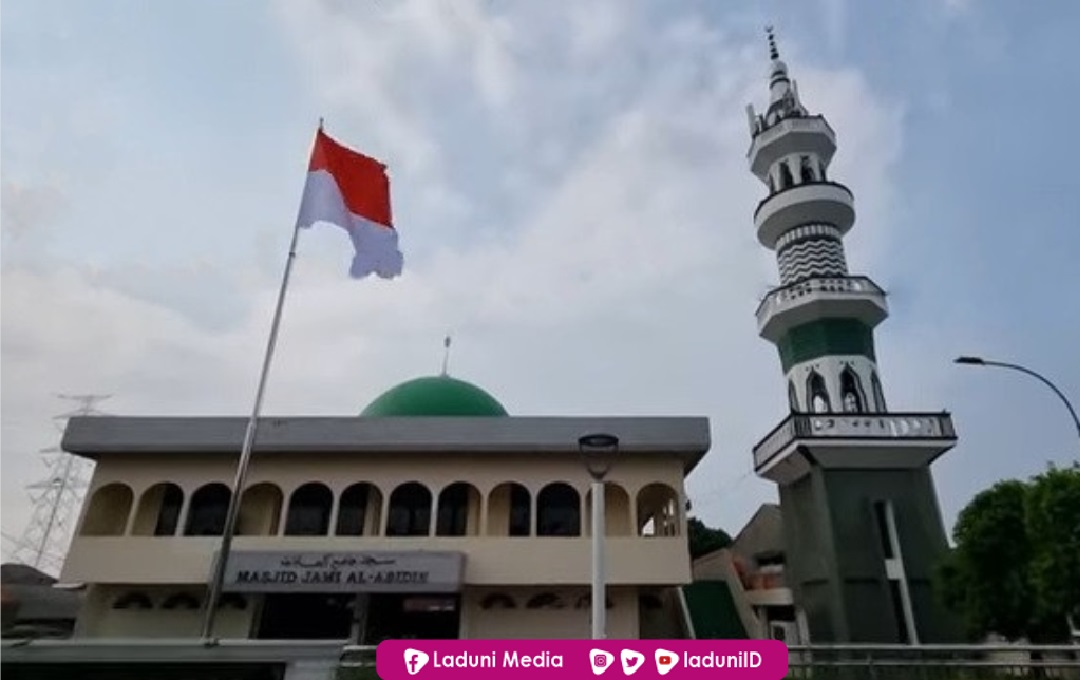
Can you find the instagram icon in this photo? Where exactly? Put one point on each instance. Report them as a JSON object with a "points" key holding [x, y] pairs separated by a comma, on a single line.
{"points": [[600, 661]]}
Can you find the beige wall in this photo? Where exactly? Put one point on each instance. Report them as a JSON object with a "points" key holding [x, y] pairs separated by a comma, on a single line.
{"points": [[98, 618], [488, 560], [567, 622], [570, 621]]}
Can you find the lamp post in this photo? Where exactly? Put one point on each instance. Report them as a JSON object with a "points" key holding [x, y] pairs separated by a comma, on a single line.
{"points": [[597, 451], [979, 361]]}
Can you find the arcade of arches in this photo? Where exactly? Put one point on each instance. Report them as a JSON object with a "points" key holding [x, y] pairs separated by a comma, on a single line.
{"points": [[363, 509]]}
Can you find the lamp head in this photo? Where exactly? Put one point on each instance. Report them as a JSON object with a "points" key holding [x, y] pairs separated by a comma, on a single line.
{"points": [[598, 450], [971, 361]]}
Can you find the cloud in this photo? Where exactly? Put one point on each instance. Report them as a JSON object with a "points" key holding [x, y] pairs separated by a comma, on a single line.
{"points": [[29, 210], [574, 202]]}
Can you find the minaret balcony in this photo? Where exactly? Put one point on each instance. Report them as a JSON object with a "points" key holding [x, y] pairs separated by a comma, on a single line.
{"points": [[858, 441], [852, 297], [800, 135], [807, 203]]}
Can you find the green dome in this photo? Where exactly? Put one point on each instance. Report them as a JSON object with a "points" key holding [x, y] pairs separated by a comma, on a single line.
{"points": [[435, 396]]}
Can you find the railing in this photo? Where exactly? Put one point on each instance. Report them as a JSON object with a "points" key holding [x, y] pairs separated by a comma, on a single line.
{"points": [[933, 662], [357, 663], [865, 426], [801, 185], [836, 285], [765, 135]]}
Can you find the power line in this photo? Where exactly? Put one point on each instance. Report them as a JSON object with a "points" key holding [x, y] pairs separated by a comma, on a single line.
{"points": [[56, 497]]}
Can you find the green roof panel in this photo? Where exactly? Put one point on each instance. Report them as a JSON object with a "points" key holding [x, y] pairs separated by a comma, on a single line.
{"points": [[713, 612]]}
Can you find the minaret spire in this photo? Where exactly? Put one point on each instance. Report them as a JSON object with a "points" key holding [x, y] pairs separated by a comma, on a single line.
{"points": [[783, 92], [774, 53], [446, 355]]}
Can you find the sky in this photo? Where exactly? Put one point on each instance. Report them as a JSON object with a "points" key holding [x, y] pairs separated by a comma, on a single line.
{"points": [[574, 204]]}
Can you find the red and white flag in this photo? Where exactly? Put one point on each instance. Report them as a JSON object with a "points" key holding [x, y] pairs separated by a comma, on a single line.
{"points": [[351, 190]]}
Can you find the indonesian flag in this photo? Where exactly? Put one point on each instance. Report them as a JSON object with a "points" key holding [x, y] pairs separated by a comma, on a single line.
{"points": [[351, 190]]}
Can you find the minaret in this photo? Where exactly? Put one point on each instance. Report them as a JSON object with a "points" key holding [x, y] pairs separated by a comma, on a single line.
{"points": [[862, 527]]}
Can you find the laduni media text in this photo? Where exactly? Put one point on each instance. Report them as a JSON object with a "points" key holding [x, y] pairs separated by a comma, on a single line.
{"points": [[506, 659], [587, 659]]}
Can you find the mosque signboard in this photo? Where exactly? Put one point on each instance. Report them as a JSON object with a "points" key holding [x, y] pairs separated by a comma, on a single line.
{"points": [[344, 572]]}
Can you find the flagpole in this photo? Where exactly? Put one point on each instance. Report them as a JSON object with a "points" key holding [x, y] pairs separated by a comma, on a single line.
{"points": [[233, 512]]}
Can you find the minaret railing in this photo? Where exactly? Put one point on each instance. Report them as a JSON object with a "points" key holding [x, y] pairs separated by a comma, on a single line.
{"points": [[838, 285], [852, 426]]}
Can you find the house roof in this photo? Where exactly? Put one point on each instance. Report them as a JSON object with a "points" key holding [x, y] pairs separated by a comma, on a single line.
{"points": [[762, 535], [713, 611]]}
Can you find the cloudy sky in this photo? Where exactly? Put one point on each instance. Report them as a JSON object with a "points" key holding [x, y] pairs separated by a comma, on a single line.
{"points": [[571, 189]]}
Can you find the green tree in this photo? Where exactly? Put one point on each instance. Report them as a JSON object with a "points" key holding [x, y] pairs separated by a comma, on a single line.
{"points": [[986, 577], [1015, 570], [1053, 525], [704, 540]]}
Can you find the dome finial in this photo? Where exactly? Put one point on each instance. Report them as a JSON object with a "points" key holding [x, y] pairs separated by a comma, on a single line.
{"points": [[774, 53], [446, 355]]}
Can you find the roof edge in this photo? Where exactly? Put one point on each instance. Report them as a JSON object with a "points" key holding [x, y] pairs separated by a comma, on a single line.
{"points": [[92, 436]]}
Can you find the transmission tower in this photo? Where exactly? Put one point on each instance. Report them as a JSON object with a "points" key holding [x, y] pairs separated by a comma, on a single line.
{"points": [[57, 497]]}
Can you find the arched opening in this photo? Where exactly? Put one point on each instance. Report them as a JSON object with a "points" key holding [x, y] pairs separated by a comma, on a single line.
{"points": [[658, 510], [309, 510], [133, 600], [108, 512], [558, 511], [616, 511], [786, 180], [819, 394], [459, 510], [806, 170], [851, 392], [181, 601], [792, 397], [772, 184], [498, 601], [206, 515], [509, 510], [545, 601], [260, 510], [585, 602], [879, 394], [821, 171], [158, 513], [410, 511], [359, 510]]}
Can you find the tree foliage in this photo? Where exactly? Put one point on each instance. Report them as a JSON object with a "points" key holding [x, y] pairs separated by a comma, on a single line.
{"points": [[1015, 570], [704, 540], [1053, 525]]}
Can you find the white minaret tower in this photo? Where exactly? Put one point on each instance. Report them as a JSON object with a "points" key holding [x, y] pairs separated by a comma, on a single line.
{"points": [[863, 531], [829, 364]]}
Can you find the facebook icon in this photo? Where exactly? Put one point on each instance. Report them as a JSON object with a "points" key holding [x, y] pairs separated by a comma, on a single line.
{"points": [[415, 660]]}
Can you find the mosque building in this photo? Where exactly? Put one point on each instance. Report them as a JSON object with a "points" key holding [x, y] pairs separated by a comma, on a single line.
{"points": [[432, 514]]}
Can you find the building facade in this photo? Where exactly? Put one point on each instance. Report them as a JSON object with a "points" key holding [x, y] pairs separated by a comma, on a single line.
{"points": [[861, 523], [433, 514]]}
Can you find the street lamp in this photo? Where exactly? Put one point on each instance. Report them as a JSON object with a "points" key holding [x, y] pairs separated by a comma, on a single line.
{"points": [[979, 361], [598, 452]]}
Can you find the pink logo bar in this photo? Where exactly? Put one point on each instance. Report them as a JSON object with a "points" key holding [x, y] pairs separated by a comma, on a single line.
{"points": [[585, 659]]}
